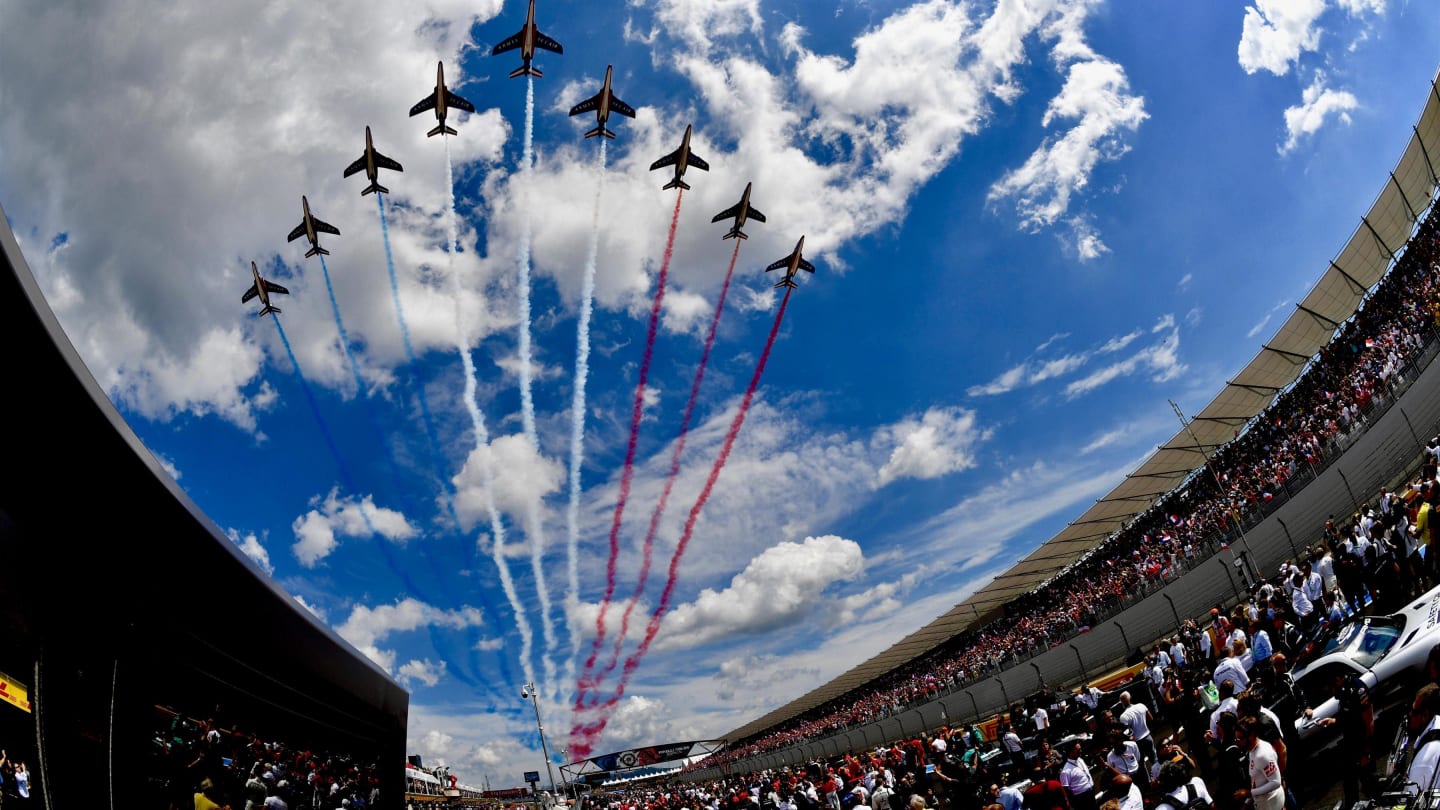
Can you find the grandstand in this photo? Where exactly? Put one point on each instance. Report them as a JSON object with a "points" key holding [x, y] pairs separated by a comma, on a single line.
{"points": [[131, 620], [1179, 496]]}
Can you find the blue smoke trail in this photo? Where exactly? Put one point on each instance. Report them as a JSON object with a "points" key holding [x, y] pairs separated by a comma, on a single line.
{"points": [[354, 368], [430, 432]]}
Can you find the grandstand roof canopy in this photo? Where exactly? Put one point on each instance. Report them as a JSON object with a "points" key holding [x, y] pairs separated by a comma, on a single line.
{"points": [[1343, 284]]}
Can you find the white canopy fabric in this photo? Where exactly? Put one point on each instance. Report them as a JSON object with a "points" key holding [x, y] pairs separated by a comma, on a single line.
{"points": [[1383, 231]]}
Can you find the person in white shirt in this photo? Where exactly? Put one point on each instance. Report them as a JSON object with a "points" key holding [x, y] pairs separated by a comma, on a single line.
{"points": [[1090, 696], [1179, 786], [1137, 716], [1076, 779], [1267, 790], [1232, 668], [1041, 718]]}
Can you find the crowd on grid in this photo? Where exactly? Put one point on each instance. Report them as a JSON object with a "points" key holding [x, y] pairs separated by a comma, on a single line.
{"points": [[1222, 686], [201, 765], [1299, 433]]}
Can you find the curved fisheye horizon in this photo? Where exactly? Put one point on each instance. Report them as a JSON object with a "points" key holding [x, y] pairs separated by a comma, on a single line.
{"points": [[616, 378]]}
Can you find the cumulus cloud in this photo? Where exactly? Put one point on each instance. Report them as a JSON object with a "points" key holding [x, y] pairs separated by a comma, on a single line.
{"points": [[250, 545], [314, 611], [422, 671], [1317, 104], [521, 475], [939, 442], [780, 587], [1276, 32], [317, 532], [367, 628]]}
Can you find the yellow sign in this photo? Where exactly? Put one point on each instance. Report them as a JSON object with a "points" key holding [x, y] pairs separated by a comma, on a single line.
{"points": [[14, 693]]}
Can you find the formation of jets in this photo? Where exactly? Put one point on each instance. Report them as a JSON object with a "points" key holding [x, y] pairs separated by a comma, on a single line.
{"points": [[681, 159], [371, 163], [311, 228], [741, 212], [792, 264], [602, 104], [527, 41], [263, 288], [442, 100]]}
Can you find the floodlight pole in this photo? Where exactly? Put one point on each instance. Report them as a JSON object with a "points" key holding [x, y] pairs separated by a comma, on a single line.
{"points": [[528, 690]]}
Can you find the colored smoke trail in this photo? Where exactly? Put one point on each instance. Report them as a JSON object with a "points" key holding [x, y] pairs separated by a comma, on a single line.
{"points": [[674, 472], [482, 438], [628, 471], [315, 410], [354, 369], [425, 408], [577, 404], [534, 522], [583, 736]]}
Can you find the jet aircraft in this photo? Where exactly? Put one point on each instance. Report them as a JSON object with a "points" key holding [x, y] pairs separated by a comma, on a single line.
{"points": [[602, 104], [263, 288], [371, 163], [527, 41], [741, 211], [311, 228], [441, 101], [792, 264], [682, 159]]}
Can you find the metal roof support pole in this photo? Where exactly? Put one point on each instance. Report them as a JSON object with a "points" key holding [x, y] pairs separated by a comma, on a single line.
{"points": [[1359, 288], [1425, 153], [1333, 324], [1299, 358], [1378, 240], [1413, 216]]}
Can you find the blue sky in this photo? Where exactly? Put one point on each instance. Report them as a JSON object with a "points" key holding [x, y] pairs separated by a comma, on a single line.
{"points": [[1033, 224]]}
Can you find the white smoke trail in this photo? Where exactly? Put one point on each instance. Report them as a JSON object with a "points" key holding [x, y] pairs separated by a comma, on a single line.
{"points": [[535, 527], [577, 414], [482, 439]]}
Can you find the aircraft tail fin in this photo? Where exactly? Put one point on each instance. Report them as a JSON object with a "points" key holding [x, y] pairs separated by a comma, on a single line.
{"points": [[735, 233], [267, 310], [601, 131], [676, 183], [439, 129], [787, 283], [315, 250], [374, 187], [526, 70]]}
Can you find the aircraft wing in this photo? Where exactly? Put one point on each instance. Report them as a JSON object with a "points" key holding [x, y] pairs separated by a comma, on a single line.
{"points": [[323, 227], [357, 166], [508, 44], [699, 164], [452, 100], [807, 266], [618, 106], [250, 293], [386, 163], [755, 215], [297, 233], [729, 213], [588, 105], [542, 41], [274, 288], [785, 262], [669, 160], [427, 103]]}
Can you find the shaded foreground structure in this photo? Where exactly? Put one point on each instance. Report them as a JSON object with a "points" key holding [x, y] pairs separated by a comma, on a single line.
{"points": [[120, 600]]}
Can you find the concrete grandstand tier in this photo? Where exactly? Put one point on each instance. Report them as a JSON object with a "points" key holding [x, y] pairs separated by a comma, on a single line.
{"points": [[1405, 195]]}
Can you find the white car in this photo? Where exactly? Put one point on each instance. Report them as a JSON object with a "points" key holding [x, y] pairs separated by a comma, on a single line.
{"points": [[1388, 654]]}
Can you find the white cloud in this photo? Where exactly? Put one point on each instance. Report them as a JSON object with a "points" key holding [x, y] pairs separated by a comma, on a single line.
{"points": [[1161, 359], [1255, 330], [250, 545], [317, 532], [1183, 285], [521, 475], [1317, 104], [780, 587], [940, 442], [366, 628], [1096, 97], [314, 611], [1276, 32], [421, 671], [1105, 440]]}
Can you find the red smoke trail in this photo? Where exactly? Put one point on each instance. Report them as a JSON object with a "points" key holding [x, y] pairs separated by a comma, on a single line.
{"points": [[628, 472], [583, 737], [673, 474]]}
